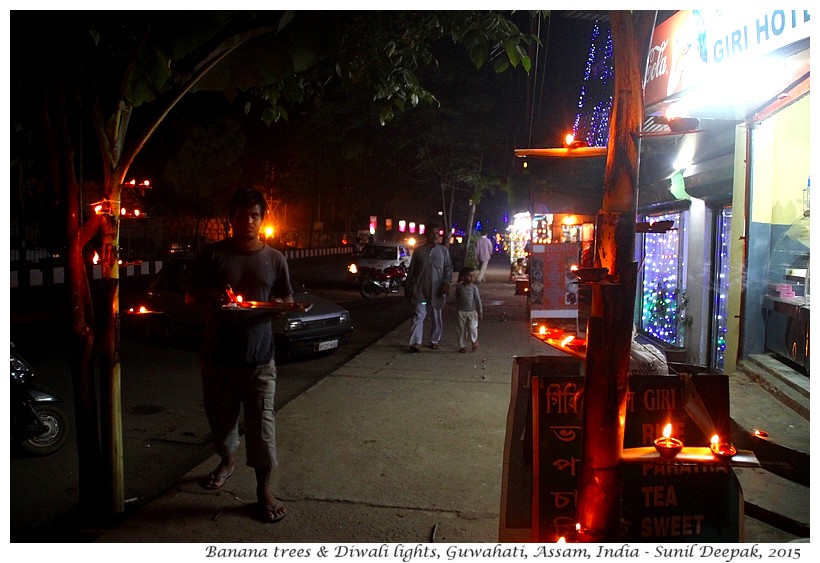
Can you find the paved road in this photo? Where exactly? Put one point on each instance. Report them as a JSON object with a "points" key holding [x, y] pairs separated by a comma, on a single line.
{"points": [[165, 433]]}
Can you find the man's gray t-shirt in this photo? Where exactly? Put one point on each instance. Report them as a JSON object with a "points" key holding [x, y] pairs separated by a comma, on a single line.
{"points": [[243, 337]]}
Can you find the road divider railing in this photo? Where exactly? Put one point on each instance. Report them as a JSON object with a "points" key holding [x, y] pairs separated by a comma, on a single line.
{"points": [[33, 275]]}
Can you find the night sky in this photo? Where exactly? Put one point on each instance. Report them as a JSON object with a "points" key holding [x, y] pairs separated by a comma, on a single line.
{"points": [[555, 100], [567, 51]]}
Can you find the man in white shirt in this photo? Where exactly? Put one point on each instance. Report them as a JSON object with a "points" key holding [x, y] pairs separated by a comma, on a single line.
{"points": [[483, 251]]}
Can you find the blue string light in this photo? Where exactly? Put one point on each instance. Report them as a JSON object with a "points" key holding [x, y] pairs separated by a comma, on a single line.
{"points": [[660, 297], [595, 101]]}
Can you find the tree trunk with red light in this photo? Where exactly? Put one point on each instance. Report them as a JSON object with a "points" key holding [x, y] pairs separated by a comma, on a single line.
{"points": [[609, 331]]}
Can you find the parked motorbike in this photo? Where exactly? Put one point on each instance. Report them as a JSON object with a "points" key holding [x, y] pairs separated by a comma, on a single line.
{"points": [[374, 282], [38, 424]]}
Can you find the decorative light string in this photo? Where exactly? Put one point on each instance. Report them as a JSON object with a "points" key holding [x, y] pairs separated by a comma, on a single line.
{"points": [[595, 101], [661, 293], [721, 305]]}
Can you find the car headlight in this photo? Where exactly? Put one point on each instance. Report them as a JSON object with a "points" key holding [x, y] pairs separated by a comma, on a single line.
{"points": [[294, 324], [353, 269], [344, 318]]}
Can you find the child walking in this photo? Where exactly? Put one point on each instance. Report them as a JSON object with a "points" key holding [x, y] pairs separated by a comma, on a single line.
{"points": [[468, 303]]}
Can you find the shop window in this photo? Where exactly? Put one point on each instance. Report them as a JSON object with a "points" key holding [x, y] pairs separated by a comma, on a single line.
{"points": [[663, 281]]}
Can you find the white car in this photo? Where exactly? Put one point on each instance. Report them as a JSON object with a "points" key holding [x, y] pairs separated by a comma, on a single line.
{"points": [[380, 255]]}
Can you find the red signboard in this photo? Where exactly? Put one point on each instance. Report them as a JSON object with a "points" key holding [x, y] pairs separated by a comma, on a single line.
{"points": [[695, 46], [553, 286]]}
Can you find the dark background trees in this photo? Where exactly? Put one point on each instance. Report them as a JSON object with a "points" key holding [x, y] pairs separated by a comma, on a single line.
{"points": [[336, 163]]}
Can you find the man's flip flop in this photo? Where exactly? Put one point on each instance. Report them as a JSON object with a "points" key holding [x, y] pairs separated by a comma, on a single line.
{"points": [[214, 481], [271, 514]]}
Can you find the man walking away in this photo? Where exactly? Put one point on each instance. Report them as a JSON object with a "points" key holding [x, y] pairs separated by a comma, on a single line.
{"points": [[483, 251], [428, 283]]}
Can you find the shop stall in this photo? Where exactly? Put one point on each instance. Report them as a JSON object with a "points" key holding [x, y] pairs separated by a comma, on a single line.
{"points": [[727, 135], [786, 303]]}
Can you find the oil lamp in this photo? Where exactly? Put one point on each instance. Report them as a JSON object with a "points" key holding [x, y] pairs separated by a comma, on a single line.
{"points": [[574, 343], [667, 446], [577, 344], [546, 332], [722, 450]]}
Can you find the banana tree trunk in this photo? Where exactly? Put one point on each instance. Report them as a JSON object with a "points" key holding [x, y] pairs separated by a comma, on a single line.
{"points": [[609, 333], [110, 380]]}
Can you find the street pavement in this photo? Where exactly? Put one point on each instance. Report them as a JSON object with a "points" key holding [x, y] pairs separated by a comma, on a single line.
{"points": [[390, 448]]}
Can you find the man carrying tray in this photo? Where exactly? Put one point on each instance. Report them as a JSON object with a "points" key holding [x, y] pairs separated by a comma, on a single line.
{"points": [[238, 368]]}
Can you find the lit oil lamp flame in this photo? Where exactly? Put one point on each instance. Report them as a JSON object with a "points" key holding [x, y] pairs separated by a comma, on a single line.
{"points": [[667, 446], [562, 539], [567, 340], [722, 450], [239, 299], [544, 331], [96, 258]]}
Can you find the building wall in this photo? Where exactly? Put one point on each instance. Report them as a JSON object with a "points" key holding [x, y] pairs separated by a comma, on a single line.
{"points": [[698, 283], [736, 251], [790, 161]]}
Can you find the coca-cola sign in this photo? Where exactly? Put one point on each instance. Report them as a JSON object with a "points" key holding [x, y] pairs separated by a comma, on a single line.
{"points": [[694, 46], [656, 62]]}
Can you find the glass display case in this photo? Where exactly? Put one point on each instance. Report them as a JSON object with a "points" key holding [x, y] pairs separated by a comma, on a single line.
{"points": [[786, 304]]}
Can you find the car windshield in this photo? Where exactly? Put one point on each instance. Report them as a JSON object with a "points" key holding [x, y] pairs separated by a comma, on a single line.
{"points": [[379, 252]]}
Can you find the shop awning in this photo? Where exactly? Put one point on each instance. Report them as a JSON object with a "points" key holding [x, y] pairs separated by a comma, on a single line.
{"points": [[564, 180]]}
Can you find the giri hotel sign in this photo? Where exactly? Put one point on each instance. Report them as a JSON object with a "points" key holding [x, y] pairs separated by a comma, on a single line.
{"points": [[694, 45]]}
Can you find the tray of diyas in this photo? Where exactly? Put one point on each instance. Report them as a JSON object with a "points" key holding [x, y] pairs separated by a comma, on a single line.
{"points": [[266, 305]]}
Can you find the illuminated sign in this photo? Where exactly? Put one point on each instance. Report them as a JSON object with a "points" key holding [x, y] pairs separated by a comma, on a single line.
{"points": [[694, 46]]}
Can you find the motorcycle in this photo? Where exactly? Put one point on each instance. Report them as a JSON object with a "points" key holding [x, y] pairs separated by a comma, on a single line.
{"points": [[373, 282], [38, 424]]}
